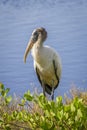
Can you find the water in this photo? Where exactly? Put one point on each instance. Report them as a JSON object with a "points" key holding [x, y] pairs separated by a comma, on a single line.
{"points": [[66, 23]]}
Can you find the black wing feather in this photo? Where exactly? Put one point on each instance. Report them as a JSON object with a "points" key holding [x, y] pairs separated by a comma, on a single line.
{"points": [[38, 76], [55, 70], [48, 88]]}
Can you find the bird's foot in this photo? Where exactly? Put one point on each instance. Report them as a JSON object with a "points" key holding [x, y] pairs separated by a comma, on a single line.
{"points": [[52, 94]]}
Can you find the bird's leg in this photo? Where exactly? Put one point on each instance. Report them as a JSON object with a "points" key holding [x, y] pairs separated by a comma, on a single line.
{"points": [[43, 89], [52, 94]]}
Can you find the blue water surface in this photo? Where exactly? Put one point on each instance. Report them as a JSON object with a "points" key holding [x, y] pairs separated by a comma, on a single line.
{"points": [[66, 24]]}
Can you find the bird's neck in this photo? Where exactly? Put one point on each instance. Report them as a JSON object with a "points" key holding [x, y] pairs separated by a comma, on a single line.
{"points": [[37, 51], [39, 44]]}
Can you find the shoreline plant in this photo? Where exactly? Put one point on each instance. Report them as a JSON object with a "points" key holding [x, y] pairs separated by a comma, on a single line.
{"points": [[35, 112]]}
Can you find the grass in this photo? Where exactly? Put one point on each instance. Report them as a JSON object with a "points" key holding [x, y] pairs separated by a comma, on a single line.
{"points": [[35, 112]]}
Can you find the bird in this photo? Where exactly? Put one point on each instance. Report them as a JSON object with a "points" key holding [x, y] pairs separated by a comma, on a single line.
{"points": [[47, 62]]}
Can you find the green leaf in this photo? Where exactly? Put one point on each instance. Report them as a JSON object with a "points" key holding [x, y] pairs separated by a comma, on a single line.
{"points": [[8, 99], [23, 101], [1, 121], [79, 113], [28, 96], [59, 99], [4, 92], [7, 90], [1, 87], [7, 128], [72, 108]]}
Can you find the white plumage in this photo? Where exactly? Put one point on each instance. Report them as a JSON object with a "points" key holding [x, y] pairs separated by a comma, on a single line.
{"points": [[47, 63]]}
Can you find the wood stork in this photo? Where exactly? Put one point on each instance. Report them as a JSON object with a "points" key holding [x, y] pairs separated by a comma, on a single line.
{"points": [[47, 63]]}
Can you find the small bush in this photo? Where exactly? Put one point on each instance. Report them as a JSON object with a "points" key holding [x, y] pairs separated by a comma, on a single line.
{"points": [[35, 112]]}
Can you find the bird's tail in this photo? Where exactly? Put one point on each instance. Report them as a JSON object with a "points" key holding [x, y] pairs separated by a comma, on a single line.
{"points": [[48, 89]]}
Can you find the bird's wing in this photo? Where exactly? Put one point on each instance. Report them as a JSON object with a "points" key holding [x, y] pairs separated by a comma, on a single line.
{"points": [[37, 72], [57, 67], [48, 89]]}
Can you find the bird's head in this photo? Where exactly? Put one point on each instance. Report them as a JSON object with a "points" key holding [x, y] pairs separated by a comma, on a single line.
{"points": [[39, 35]]}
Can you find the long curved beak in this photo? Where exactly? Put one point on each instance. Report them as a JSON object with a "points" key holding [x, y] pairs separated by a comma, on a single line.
{"points": [[29, 47]]}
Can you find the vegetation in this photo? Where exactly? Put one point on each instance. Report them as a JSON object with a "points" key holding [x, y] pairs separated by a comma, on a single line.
{"points": [[35, 112]]}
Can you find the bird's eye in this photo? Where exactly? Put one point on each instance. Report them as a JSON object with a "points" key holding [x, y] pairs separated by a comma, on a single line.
{"points": [[35, 36]]}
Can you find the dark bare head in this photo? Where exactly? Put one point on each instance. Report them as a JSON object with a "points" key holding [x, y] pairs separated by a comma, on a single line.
{"points": [[39, 35]]}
